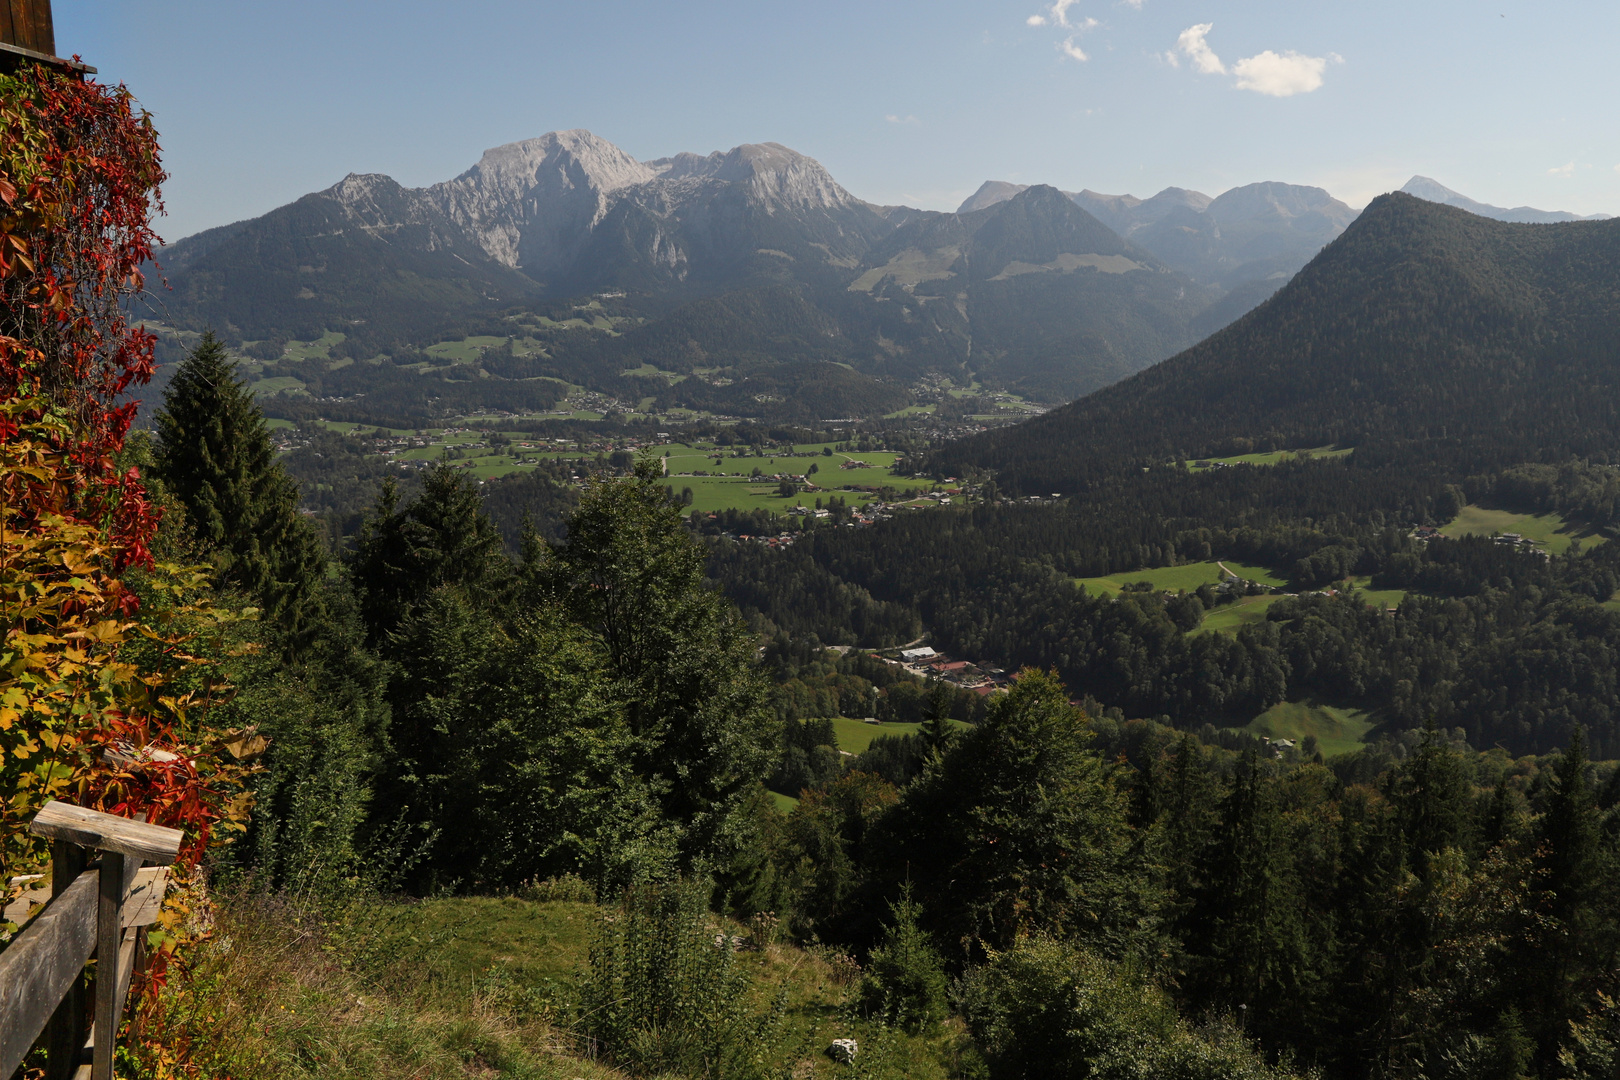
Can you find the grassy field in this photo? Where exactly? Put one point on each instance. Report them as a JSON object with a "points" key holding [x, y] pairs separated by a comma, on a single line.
{"points": [[1379, 597], [1185, 578], [321, 347], [1230, 618], [466, 350], [1337, 731], [1270, 458], [1550, 530], [855, 736], [444, 989], [784, 803], [276, 385]]}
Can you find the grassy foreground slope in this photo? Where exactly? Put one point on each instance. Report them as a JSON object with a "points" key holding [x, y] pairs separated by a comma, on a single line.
{"points": [[473, 986]]}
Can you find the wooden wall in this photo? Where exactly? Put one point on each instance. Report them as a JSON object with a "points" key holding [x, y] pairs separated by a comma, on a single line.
{"points": [[27, 24]]}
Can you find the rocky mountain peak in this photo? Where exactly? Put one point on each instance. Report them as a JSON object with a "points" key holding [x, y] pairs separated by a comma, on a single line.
{"points": [[563, 176], [990, 192], [771, 172], [1434, 191]]}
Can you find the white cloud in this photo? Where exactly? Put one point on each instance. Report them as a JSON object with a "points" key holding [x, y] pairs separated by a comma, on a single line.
{"points": [[1565, 171], [1073, 51], [1137, 4], [1058, 15], [1280, 76], [1192, 45], [1270, 73], [894, 119]]}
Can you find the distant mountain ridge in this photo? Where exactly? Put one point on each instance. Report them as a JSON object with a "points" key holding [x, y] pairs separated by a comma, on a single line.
{"points": [[1242, 240], [746, 258], [1493, 343], [1434, 191]]}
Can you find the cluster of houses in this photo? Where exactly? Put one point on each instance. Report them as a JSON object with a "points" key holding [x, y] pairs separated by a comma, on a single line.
{"points": [[924, 661], [1425, 533], [780, 540]]}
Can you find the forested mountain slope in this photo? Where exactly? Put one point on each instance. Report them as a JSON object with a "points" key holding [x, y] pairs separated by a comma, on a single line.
{"points": [[1480, 340], [1045, 297]]}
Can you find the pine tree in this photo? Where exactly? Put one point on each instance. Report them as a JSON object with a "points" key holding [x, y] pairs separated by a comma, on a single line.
{"points": [[1248, 935], [214, 454], [442, 537], [1576, 889], [632, 573]]}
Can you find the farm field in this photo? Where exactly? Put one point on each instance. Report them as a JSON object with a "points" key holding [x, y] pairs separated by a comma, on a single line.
{"points": [[1269, 458], [1379, 597], [466, 350], [1337, 730], [1550, 530], [1184, 578], [1230, 618], [854, 736], [277, 385]]}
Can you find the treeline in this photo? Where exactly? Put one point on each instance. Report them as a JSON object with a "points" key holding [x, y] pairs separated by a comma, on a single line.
{"points": [[1507, 643], [1449, 915]]}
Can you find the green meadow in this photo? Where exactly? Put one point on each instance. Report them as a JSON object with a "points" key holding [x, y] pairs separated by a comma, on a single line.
{"points": [[1246, 610], [1183, 578], [1337, 730], [1550, 530], [1272, 457]]}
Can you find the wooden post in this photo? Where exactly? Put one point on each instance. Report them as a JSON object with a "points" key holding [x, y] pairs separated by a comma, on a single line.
{"points": [[124, 845], [109, 934], [66, 1032]]}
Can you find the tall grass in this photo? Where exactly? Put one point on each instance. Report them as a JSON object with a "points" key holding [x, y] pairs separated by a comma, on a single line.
{"points": [[664, 992], [273, 995]]}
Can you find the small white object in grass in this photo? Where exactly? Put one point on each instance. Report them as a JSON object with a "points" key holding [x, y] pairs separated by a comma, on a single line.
{"points": [[843, 1050]]}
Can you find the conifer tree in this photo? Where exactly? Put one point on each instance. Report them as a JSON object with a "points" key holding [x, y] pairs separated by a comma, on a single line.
{"points": [[1247, 929], [215, 455], [632, 573], [442, 537]]}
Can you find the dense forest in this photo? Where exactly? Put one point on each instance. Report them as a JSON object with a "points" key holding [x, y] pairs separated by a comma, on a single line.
{"points": [[1506, 642]]}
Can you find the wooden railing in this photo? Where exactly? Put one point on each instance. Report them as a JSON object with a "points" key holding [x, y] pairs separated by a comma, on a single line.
{"points": [[95, 910]]}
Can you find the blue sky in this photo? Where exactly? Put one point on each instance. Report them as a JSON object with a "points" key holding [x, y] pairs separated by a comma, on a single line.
{"points": [[1506, 101]]}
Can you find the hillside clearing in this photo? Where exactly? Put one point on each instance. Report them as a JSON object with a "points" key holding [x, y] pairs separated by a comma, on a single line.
{"points": [[1337, 730], [1549, 530], [1185, 578]]}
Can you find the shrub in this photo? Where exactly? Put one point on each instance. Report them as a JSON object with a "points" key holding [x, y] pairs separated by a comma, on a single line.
{"points": [[663, 992], [564, 887], [904, 983], [1049, 1010]]}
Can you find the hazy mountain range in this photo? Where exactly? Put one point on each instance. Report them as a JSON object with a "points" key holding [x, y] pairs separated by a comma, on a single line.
{"points": [[1493, 343], [741, 268]]}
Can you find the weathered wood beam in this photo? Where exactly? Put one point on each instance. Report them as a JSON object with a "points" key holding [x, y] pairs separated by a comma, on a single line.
{"points": [[105, 832], [41, 964]]}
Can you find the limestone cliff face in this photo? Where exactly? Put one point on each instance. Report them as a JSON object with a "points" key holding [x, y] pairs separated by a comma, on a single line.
{"points": [[538, 205], [770, 172], [531, 204]]}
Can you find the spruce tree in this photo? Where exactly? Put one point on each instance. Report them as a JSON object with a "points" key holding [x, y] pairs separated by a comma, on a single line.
{"points": [[441, 538], [215, 456]]}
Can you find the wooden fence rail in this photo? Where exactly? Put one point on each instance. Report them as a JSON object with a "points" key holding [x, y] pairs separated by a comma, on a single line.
{"points": [[98, 911]]}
